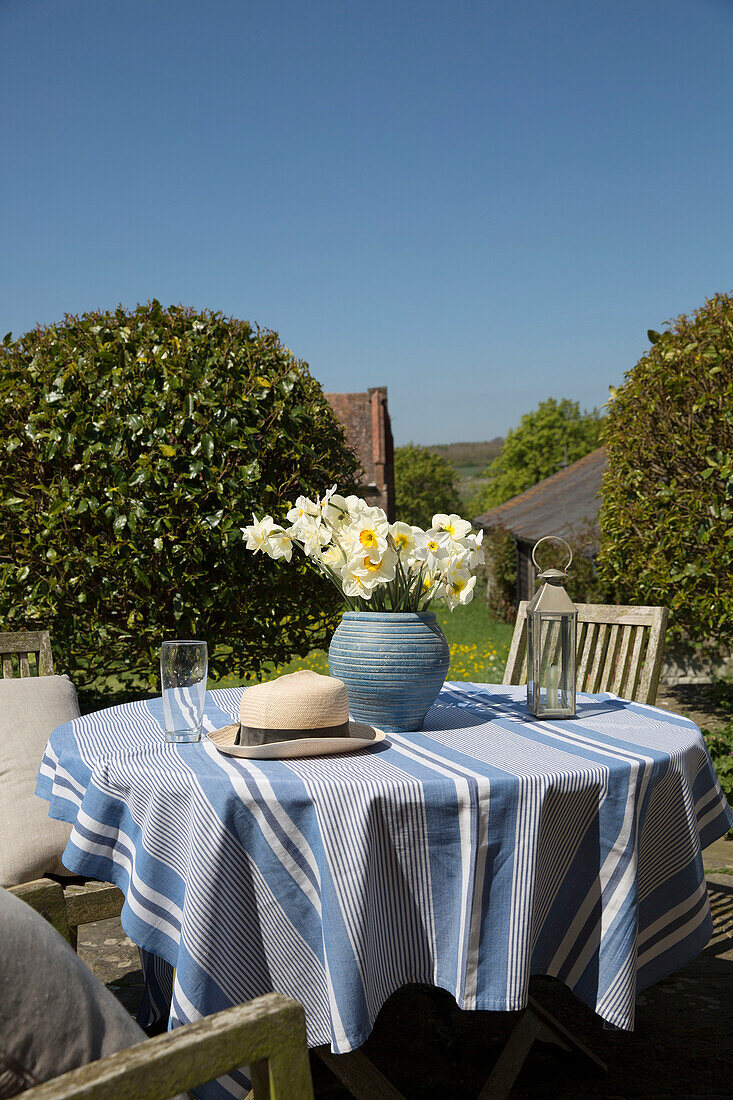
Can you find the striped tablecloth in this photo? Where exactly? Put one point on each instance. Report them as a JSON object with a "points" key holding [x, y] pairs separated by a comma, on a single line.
{"points": [[482, 850]]}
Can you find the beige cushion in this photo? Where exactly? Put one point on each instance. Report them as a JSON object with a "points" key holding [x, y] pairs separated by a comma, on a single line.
{"points": [[31, 842]]}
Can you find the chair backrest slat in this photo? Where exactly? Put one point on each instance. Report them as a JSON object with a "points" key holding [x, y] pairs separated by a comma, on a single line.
{"points": [[653, 664], [516, 665], [622, 663], [596, 669], [618, 649], [609, 666], [22, 645], [583, 662]]}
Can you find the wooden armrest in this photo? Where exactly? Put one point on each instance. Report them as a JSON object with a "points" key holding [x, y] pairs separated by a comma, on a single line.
{"points": [[66, 907], [92, 901], [47, 898], [270, 1030]]}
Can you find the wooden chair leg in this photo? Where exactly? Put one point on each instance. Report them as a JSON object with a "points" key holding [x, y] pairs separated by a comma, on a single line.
{"points": [[555, 1032], [363, 1080], [512, 1058], [534, 1023]]}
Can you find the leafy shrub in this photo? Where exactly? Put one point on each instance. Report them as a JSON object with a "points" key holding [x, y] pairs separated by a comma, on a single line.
{"points": [[136, 446], [425, 483], [553, 435], [720, 747], [667, 512], [501, 573]]}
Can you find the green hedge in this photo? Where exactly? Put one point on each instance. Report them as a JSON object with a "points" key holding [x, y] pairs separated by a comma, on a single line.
{"points": [[667, 513], [136, 446]]}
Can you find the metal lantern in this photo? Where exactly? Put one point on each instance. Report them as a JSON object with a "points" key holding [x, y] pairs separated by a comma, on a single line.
{"points": [[552, 620]]}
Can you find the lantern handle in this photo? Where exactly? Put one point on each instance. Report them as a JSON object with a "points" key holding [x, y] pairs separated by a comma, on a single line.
{"points": [[553, 538]]}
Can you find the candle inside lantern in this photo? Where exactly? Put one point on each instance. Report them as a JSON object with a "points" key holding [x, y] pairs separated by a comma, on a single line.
{"points": [[552, 682]]}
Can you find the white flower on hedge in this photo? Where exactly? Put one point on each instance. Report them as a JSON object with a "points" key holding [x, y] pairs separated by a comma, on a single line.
{"points": [[455, 527]]}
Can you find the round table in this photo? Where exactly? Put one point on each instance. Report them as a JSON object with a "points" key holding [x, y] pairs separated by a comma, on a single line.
{"points": [[486, 848]]}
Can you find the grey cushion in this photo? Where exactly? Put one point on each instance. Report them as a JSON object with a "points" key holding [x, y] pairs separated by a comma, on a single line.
{"points": [[54, 1014], [30, 709]]}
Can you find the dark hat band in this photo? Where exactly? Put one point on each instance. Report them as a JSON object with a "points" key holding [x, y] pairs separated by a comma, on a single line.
{"points": [[250, 735]]}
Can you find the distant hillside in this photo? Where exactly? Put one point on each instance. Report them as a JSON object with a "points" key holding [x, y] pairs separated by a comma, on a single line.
{"points": [[470, 460], [469, 454]]}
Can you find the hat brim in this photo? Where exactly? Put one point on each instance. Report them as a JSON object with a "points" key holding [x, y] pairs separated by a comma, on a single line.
{"points": [[361, 736]]}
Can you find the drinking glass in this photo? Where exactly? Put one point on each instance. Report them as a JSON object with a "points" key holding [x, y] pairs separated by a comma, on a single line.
{"points": [[183, 669]]}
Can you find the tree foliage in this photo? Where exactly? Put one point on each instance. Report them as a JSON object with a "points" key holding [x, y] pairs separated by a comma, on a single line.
{"points": [[425, 484], [667, 513], [136, 446], [553, 435]]}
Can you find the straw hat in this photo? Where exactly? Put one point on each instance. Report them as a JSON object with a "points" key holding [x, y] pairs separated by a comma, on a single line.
{"points": [[299, 714]]}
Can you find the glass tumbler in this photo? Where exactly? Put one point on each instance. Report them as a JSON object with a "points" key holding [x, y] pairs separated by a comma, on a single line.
{"points": [[183, 669]]}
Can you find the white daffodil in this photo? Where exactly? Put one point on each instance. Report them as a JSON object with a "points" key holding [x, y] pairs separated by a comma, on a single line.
{"points": [[455, 527], [353, 584], [366, 533], [403, 537], [363, 552], [281, 545], [312, 532], [433, 551], [474, 549], [334, 509], [459, 586], [333, 558], [258, 534], [356, 505], [304, 508], [432, 585], [370, 573]]}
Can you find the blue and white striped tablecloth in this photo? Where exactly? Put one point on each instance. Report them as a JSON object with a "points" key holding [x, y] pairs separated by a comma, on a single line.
{"points": [[482, 850]]}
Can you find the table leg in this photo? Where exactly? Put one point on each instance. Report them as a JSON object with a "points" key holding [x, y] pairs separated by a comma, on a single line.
{"points": [[363, 1080]]}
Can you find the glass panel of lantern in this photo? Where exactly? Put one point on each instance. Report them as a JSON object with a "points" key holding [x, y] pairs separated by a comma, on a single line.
{"points": [[551, 636]]}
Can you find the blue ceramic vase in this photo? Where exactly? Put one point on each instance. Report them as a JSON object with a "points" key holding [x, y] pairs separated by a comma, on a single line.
{"points": [[393, 665]]}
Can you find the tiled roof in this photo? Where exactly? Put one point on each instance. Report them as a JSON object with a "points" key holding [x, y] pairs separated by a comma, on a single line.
{"points": [[565, 503]]}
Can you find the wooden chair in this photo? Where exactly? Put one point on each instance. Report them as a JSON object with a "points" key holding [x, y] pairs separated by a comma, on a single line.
{"points": [[618, 649], [268, 1034], [30, 653], [29, 650]]}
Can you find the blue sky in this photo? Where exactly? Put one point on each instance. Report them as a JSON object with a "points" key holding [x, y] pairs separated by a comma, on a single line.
{"points": [[479, 205]]}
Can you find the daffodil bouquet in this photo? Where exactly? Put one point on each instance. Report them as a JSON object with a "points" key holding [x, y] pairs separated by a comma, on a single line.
{"points": [[376, 565]]}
